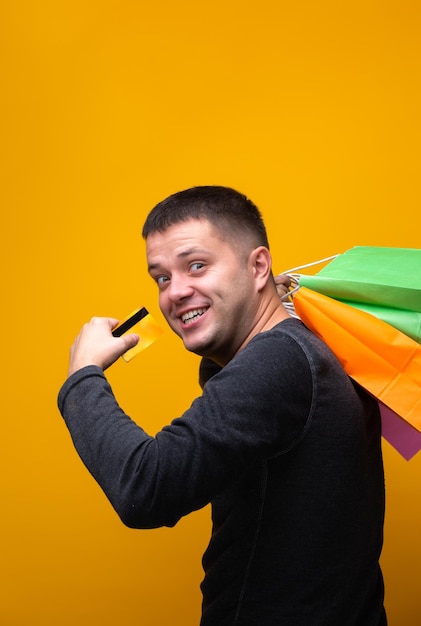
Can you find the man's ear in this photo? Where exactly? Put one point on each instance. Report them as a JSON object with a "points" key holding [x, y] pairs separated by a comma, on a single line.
{"points": [[261, 262]]}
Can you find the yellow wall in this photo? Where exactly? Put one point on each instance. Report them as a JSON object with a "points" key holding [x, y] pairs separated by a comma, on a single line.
{"points": [[312, 109]]}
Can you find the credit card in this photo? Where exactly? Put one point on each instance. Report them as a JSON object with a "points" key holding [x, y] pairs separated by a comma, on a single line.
{"points": [[140, 322]]}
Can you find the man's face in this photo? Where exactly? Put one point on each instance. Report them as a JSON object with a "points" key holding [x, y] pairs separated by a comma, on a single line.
{"points": [[206, 287]]}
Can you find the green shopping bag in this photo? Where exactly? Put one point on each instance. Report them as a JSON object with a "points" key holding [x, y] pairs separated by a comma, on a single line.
{"points": [[385, 282], [408, 322]]}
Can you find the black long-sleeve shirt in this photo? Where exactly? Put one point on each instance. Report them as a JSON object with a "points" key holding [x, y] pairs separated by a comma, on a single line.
{"points": [[287, 450]]}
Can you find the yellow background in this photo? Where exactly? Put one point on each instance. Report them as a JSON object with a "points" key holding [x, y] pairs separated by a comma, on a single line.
{"points": [[312, 109]]}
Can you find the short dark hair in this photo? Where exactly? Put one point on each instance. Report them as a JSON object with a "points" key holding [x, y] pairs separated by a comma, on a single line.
{"points": [[230, 211]]}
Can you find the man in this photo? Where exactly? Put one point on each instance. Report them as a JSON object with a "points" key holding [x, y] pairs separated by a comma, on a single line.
{"points": [[281, 442]]}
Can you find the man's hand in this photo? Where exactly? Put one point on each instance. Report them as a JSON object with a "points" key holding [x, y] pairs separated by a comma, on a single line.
{"points": [[95, 345], [282, 283]]}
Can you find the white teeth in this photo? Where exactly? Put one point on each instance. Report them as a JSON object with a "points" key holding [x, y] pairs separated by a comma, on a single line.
{"points": [[192, 315]]}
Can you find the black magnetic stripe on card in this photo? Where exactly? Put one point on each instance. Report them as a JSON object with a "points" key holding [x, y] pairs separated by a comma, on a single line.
{"points": [[127, 325]]}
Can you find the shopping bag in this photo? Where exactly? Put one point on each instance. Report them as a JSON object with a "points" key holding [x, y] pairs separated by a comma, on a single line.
{"points": [[373, 274], [409, 322], [401, 435], [382, 359], [382, 281]]}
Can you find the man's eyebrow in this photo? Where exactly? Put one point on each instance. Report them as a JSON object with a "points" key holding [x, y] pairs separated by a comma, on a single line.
{"points": [[180, 255], [189, 251]]}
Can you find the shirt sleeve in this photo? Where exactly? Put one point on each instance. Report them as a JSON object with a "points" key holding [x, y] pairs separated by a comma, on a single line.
{"points": [[254, 408]]}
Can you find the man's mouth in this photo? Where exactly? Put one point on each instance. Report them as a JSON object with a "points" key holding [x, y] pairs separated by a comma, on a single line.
{"points": [[191, 316]]}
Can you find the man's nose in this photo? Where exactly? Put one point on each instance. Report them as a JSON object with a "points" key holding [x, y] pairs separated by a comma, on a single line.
{"points": [[179, 288]]}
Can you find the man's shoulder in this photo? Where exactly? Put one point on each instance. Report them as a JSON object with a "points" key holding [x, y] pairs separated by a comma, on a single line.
{"points": [[291, 342], [290, 331]]}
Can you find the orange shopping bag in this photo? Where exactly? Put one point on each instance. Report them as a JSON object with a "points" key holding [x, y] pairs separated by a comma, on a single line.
{"points": [[382, 359]]}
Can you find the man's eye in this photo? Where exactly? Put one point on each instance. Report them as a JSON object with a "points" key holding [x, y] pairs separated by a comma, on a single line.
{"points": [[161, 280], [195, 267]]}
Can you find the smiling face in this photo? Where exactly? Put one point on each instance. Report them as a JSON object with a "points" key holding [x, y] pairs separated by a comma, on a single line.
{"points": [[207, 287]]}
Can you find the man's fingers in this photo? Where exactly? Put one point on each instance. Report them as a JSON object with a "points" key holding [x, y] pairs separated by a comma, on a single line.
{"points": [[282, 282]]}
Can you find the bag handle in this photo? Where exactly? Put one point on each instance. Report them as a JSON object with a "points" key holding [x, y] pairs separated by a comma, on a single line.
{"points": [[294, 277]]}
